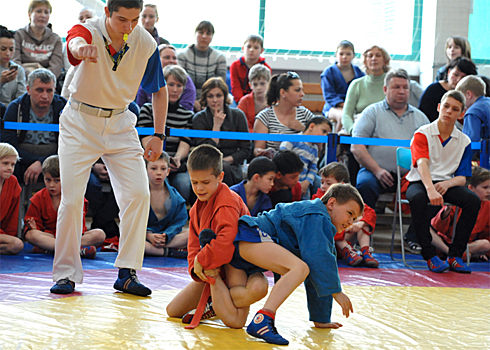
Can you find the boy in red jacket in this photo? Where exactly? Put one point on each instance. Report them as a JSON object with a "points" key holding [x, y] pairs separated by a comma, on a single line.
{"points": [[252, 49], [218, 209], [9, 201], [360, 231]]}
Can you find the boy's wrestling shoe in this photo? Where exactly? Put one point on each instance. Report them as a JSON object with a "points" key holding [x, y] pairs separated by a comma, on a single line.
{"points": [[88, 252], [437, 265], [37, 250], [457, 265], [351, 256], [262, 326], [63, 286], [180, 253], [206, 236], [127, 282], [206, 314], [369, 261]]}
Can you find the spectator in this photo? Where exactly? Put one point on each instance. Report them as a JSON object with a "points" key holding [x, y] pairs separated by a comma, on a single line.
{"points": [[308, 152], [285, 114], [477, 115], [441, 161], [219, 116], [336, 80], [149, 16], [456, 46], [39, 105], [12, 76], [261, 173], [9, 201], [457, 69], [479, 242], [168, 57], [177, 118], [168, 215], [254, 102], [286, 187], [40, 219], [239, 70], [392, 116], [201, 61], [366, 90], [36, 45]]}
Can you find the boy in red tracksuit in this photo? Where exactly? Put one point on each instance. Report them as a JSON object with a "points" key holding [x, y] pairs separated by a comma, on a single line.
{"points": [[218, 209], [360, 231], [442, 223], [252, 49]]}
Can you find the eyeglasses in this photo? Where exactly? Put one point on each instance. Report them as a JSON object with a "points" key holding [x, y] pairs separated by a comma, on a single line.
{"points": [[292, 75]]}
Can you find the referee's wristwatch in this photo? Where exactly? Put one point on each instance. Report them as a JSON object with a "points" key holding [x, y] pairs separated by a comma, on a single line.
{"points": [[160, 136]]}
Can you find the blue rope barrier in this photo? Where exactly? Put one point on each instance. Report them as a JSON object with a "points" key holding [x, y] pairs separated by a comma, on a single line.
{"points": [[244, 136]]}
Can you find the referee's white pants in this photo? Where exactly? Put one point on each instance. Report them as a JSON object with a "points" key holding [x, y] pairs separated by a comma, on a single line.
{"points": [[83, 139]]}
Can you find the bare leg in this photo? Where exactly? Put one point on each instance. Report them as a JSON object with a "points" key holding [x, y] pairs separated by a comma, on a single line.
{"points": [[93, 237], [43, 240], [150, 250], [363, 239], [186, 300], [438, 242], [335, 114], [342, 244], [256, 289], [273, 257], [479, 248], [10, 245], [223, 305], [179, 240]]}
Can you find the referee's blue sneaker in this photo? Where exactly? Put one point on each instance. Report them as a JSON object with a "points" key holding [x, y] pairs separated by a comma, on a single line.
{"points": [[63, 286], [262, 326], [128, 282]]}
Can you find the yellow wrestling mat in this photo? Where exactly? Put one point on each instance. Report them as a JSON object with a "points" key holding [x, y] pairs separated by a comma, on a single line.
{"points": [[384, 318]]}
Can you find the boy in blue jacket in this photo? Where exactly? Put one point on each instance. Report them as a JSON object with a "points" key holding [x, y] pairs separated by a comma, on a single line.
{"points": [[168, 214], [261, 173]]}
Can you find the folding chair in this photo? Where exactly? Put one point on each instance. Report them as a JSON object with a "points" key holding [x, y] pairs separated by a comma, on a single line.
{"points": [[404, 160]]}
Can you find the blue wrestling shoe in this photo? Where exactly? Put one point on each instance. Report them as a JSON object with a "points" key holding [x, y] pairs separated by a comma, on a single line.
{"points": [[437, 265], [63, 286], [262, 326], [457, 265], [127, 282]]}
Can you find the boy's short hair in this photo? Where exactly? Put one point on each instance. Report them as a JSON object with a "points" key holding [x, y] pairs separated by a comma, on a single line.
{"points": [[344, 193], [457, 95], [336, 170], [318, 121], [254, 38], [114, 5], [7, 150], [205, 26], [346, 44], [206, 157], [472, 83], [177, 72], [259, 71], [478, 176], [261, 166], [287, 162], [51, 166]]}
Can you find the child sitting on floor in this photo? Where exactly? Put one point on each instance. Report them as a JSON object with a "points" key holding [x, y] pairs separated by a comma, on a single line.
{"points": [[40, 219], [286, 187], [9, 201], [168, 214], [360, 231], [479, 242], [218, 209], [308, 152], [305, 251], [261, 173]]}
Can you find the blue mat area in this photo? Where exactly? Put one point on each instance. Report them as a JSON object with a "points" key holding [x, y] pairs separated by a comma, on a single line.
{"points": [[25, 262]]}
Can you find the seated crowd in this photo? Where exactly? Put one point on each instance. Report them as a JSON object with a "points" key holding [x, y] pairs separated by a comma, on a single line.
{"points": [[377, 102]]}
